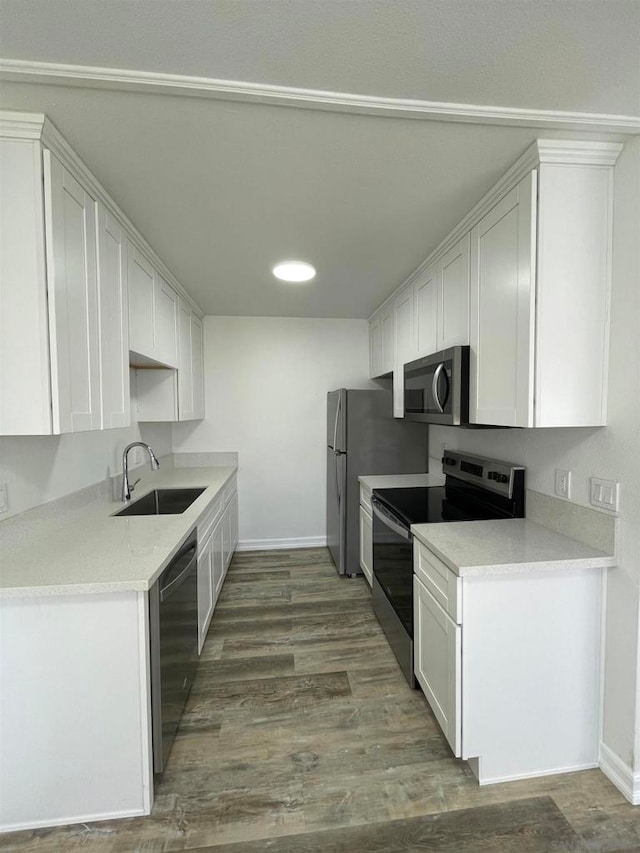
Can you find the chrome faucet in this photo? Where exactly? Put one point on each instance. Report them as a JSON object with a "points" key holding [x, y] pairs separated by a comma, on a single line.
{"points": [[127, 488]]}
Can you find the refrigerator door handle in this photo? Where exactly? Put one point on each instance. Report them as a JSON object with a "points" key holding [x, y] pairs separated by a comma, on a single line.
{"points": [[335, 426]]}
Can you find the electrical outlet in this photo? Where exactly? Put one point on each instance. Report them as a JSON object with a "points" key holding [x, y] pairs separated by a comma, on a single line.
{"points": [[563, 483], [137, 456], [604, 493], [4, 498]]}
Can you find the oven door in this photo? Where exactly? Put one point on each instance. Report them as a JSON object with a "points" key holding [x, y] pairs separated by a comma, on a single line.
{"points": [[436, 388], [392, 592]]}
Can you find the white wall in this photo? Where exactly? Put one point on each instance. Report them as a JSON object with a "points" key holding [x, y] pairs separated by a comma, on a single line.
{"points": [[266, 380], [38, 469], [612, 452]]}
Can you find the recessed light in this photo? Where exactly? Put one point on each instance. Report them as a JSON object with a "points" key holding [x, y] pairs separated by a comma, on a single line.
{"points": [[294, 271]]}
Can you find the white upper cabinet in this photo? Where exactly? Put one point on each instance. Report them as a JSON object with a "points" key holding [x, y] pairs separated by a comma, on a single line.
{"points": [[442, 301], [114, 330], [191, 367], [540, 279], [166, 317], [524, 280], [74, 337], [142, 327], [503, 294], [426, 296], [382, 343], [405, 336], [153, 313], [79, 290], [453, 296]]}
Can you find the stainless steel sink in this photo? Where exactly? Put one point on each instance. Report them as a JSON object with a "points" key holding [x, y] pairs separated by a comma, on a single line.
{"points": [[163, 502]]}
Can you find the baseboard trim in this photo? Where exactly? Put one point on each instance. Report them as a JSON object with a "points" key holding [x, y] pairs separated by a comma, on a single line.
{"points": [[622, 776], [281, 544], [72, 819]]}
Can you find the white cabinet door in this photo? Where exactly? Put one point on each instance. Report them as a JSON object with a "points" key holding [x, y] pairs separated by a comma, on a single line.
{"points": [[218, 567], [375, 348], [388, 322], [205, 591], [70, 222], [166, 319], [197, 367], [114, 329], [142, 335], [366, 545], [405, 346], [503, 310], [426, 308], [453, 296], [185, 367], [438, 662]]}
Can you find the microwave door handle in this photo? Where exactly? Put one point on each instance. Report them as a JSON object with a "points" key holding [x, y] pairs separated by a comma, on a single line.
{"points": [[434, 387]]}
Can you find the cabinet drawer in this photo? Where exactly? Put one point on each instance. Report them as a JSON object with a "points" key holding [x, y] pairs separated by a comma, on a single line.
{"points": [[365, 498], [442, 583], [208, 520]]}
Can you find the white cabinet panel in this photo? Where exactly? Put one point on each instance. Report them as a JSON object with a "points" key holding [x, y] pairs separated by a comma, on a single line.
{"points": [[375, 348], [438, 662], [426, 295], [185, 368], [166, 318], [25, 381], [197, 366], [453, 296], [388, 341], [70, 222], [205, 590], [142, 336], [191, 366], [405, 345], [503, 304], [114, 337], [217, 556], [366, 545]]}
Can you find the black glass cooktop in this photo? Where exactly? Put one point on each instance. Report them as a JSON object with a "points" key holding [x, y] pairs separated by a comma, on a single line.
{"points": [[424, 505]]}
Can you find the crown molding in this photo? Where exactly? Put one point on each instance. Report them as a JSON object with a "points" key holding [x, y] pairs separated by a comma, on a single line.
{"points": [[542, 152], [285, 96]]}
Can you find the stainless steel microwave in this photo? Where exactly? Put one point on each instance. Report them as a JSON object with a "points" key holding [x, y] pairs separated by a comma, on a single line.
{"points": [[436, 388]]}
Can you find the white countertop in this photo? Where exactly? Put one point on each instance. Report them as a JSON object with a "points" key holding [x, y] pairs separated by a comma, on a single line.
{"points": [[87, 550], [506, 547], [401, 481]]}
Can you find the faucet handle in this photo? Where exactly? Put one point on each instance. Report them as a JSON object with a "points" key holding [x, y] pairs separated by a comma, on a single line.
{"points": [[133, 485]]}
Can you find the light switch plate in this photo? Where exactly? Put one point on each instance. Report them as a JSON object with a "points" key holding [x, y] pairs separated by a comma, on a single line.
{"points": [[563, 483], [4, 498], [604, 493]]}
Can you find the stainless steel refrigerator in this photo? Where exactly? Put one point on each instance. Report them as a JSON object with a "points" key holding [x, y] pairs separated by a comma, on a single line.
{"points": [[363, 438]]}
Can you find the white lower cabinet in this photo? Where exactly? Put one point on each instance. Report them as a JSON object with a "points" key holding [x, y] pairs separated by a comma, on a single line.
{"points": [[366, 534], [510, 665], [218, 535], [438, 662], [366, 545]]}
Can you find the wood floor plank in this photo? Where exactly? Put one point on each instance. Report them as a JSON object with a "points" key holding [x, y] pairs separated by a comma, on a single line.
{"points": [[530, 826]]}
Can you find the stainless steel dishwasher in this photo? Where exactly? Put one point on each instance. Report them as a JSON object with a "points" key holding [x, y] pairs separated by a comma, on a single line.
{"points": [[173, 628]]}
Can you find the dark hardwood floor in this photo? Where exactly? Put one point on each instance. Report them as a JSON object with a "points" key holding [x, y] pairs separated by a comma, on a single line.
{"points": [[302, 736]]}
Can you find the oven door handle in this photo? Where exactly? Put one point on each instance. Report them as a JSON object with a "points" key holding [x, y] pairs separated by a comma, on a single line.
{"points": [[390, 520]]}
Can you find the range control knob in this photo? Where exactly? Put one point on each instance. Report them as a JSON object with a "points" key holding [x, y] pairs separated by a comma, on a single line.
{"points": [[448, 460], [497, 477]]}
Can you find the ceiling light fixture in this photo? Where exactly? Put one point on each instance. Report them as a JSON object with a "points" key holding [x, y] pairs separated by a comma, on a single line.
{"points": [[294, 271]]}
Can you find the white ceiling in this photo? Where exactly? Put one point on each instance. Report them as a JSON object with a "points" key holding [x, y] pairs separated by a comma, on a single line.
{"points": [[223, 190]]}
